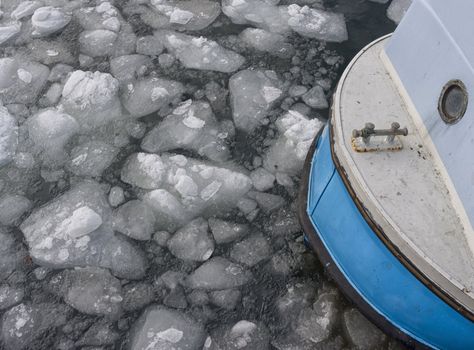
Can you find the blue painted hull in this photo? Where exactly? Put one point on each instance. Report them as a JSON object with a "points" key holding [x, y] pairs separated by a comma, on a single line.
{"points": [[386, 291]]}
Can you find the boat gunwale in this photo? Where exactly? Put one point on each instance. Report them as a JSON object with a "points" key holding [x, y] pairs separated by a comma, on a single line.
{"points": [[331, 267], [428, 281]]}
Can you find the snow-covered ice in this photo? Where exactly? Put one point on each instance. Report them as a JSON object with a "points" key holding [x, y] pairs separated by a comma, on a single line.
{"points": [[192, 126], [306, 21], [91, 98], [73, 231], [317, 24], [288, 152], [184, 187], [184, 15], [273, 43], [200, 53]]}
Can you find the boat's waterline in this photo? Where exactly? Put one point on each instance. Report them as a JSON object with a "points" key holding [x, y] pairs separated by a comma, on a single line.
{"points": [[356, 225]]}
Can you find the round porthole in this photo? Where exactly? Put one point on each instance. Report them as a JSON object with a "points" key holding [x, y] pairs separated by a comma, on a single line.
{"points": [[453, 101]]}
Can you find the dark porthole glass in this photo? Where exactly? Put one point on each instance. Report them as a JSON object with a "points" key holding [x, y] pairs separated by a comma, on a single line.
{"points": [[453, 101]]}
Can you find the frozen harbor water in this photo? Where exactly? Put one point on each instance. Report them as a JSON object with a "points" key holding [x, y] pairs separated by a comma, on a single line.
{"points": [[150, 153]]}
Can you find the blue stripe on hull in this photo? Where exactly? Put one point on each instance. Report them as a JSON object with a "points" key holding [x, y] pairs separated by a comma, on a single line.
{"points": [[372, 270]]}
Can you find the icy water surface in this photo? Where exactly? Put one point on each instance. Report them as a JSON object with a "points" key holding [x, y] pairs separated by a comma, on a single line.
{"points": [[150, 153]]}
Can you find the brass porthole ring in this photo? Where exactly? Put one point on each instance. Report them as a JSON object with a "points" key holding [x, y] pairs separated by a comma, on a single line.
{"points": [[453, 101]]}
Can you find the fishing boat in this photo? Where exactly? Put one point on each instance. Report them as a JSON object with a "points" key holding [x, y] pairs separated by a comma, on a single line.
{"points": [[387, 193]]}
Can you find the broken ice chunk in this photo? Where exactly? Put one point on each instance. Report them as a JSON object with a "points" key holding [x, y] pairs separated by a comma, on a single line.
{"points": [[188, 188], [116, 196], [262, 179], [25, 9], [144, 170], [316, 98], [93, 291], [226, 299], [183, 15], [170, 213], [12, 207], [160, 327], [318, 24], [135, 219], [96, 43], [25, 323], [192, 242], [91, 98], [226, 232], [21, 81], [288, 152], [316, 324], [136, 295], [397, 9], [50, 130], [8, 136], [9, 31], [150, 95], [193, 126], [259, 13], [52, 96], [100, 333], [252, 94], [200, 53], [304, 20], [219, 188], [11, 257], [263, 40], [242, 335], [10, 296], [269, 202], [102, 16], [92, 158], [251, 250], [129, 67], [217, 274], [63, 233], [149, 45], [361, 333], [48, 20]]}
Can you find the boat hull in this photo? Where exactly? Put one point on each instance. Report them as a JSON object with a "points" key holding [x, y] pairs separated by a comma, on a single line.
{"points": [[368, 273]]}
